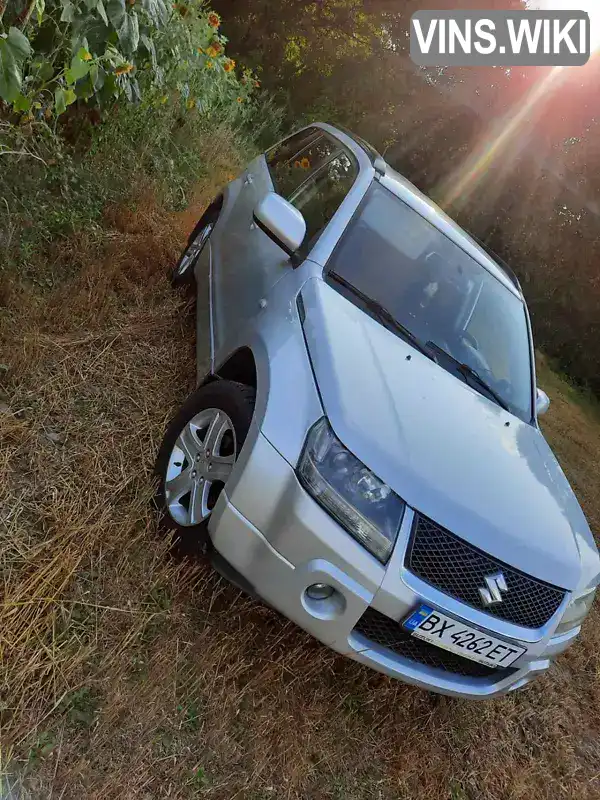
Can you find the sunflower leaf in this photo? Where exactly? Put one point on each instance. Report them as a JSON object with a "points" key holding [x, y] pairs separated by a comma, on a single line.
{"points": [[157, 11], [22, 103], [68, 12], [79, 67], [102, 12], [19, 44], [12, 53], [149, 45], [129, 33], [116, 12], [62, 99]]}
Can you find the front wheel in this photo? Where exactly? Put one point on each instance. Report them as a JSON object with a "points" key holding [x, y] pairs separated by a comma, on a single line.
{"points": [[197, 455]]}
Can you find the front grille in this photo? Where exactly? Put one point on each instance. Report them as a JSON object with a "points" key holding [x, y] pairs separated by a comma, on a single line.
{"points": [[385, 632], [459, 569]]}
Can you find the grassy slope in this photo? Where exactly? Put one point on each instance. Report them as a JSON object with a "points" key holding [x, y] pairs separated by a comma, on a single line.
{"points": [[124, 675]]}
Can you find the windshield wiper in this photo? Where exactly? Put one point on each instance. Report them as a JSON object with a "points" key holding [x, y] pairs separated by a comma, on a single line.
{"points": [[385, 316], [468, 372]]}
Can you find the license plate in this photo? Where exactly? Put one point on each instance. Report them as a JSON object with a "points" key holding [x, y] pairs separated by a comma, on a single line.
{"points": [[443, 631]]}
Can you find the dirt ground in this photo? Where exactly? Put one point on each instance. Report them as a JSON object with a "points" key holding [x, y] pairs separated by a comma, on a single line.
{"points": [[124, 674]]}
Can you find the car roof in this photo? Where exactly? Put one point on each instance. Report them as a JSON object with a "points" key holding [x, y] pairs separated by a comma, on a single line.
{"points": [[423, 205]]}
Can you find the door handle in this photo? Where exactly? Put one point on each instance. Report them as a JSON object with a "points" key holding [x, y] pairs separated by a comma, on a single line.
{"points": [[248, 180]]}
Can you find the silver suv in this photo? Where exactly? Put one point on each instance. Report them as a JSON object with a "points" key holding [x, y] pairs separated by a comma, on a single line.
{"points": [[363, 450]]}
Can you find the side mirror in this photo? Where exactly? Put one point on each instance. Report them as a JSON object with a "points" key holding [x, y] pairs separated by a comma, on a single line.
{"points": [[282, 223], [542, 402]]}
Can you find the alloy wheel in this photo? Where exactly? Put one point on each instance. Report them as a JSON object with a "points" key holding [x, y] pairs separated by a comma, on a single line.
{"points": [[199, 466]]}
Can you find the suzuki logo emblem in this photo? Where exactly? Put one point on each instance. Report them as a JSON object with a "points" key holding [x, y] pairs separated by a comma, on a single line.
{"points": [[495, 585]]}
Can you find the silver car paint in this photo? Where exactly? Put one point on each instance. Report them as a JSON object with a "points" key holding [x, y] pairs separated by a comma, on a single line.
{"points": [[442, 446], [320, 551], [281, 220], [280, 539]]}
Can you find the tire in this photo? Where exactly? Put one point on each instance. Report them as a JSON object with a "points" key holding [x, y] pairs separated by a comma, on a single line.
{"points": [[183, 272], [198, 451]]}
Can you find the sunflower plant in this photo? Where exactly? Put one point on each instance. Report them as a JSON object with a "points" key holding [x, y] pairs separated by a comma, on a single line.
{"points": [[202, 75], [54, 53]]}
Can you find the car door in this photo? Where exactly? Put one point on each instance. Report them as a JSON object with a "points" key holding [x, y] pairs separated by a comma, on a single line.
{"points": [[319, 197], [246, 263]]}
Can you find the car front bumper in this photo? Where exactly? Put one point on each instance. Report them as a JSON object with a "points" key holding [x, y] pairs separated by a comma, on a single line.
{"points": [[281, 541]]}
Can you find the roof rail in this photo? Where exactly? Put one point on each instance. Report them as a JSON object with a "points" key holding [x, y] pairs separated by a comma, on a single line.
{"points": [[500, 261], [376, 158]]}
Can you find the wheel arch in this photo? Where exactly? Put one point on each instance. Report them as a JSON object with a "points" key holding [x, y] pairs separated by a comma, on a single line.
{"points": [[239, 366], [247, 364]]}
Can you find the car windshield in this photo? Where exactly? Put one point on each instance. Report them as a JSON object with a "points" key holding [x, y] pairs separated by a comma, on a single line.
{"points": [[396, 258]]}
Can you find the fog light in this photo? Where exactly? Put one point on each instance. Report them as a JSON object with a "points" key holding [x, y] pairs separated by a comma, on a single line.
{"points": [[320, 591]]}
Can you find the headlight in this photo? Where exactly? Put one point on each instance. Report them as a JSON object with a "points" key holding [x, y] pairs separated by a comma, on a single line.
{"points": [[365, 506], [576, 612]]}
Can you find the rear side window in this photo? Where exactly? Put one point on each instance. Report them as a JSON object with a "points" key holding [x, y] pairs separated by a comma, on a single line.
{"points": [[282, 152], [296, 159], [319, 197]]}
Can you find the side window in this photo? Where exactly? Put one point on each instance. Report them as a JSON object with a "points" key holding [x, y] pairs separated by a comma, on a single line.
{"points": [[297, 158], [320, 197], [285, 150]]}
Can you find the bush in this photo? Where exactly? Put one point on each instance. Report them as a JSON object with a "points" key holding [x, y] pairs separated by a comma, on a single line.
{"points": [[51, 188], [190, 108]]}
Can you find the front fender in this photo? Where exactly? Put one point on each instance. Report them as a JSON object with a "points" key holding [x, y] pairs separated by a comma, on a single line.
{"points": [[287, 399]]}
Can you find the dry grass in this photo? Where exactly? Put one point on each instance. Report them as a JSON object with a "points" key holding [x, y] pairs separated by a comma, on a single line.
{"points": [[125, 675]]}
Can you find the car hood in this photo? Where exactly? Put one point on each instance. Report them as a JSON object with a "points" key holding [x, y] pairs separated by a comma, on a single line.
{"points": [[448, 451]]}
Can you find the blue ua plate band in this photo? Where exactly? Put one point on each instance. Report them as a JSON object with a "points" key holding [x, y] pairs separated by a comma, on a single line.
{"points": [[417, 617]]}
